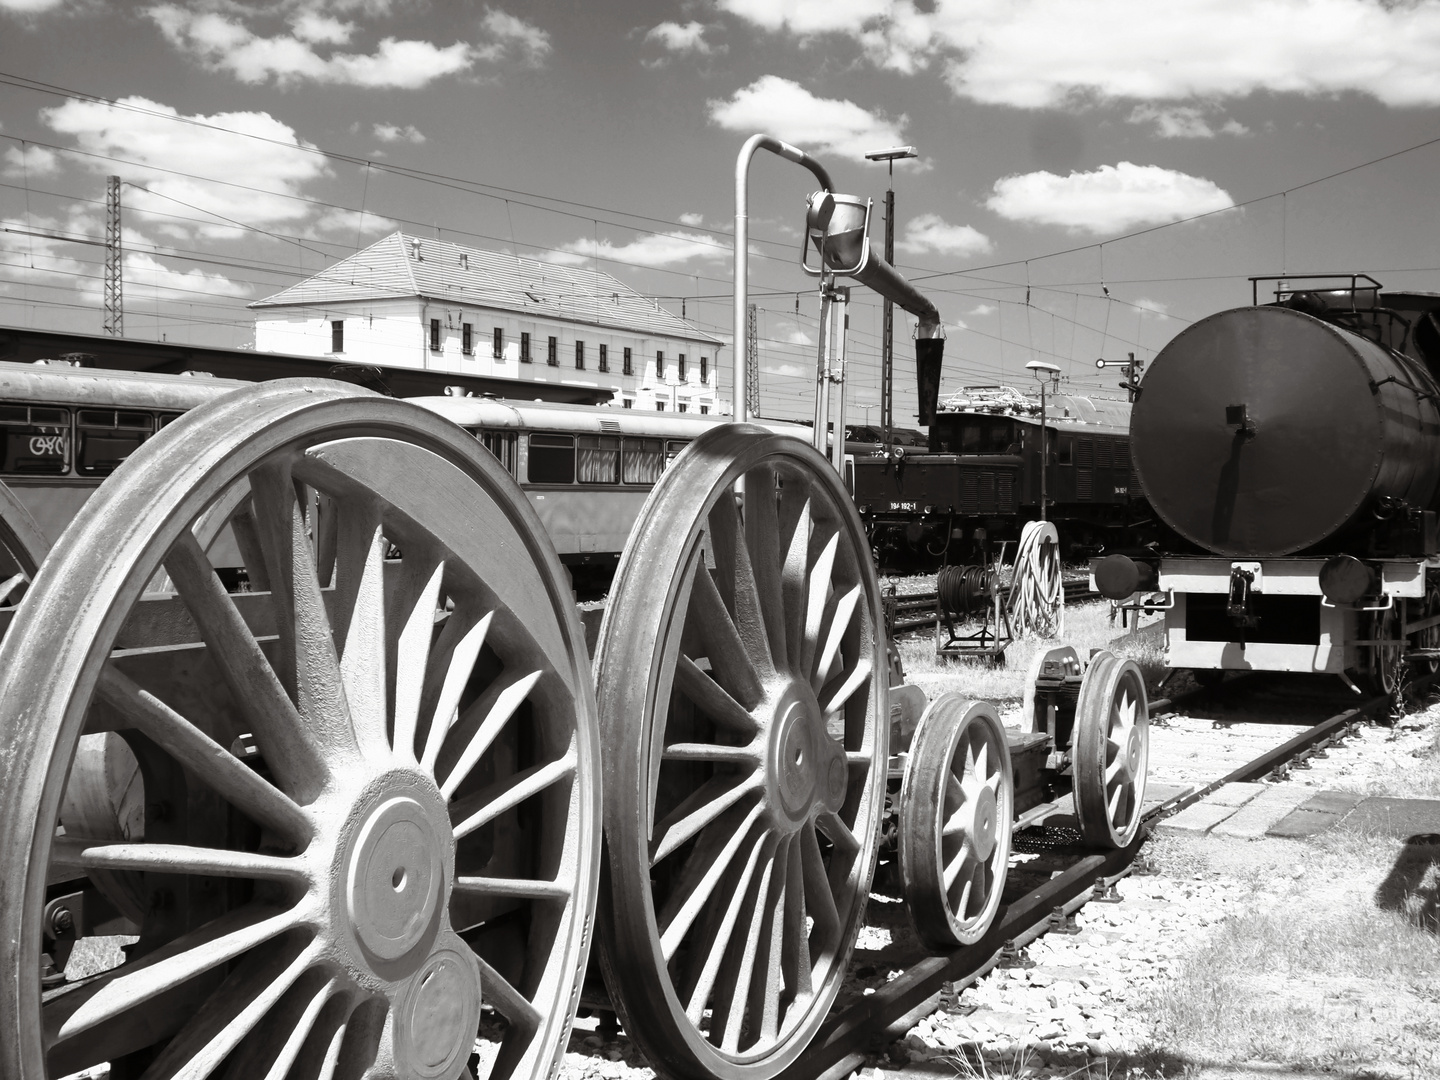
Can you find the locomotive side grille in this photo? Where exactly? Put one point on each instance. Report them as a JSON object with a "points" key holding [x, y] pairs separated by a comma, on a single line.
{"points": [[1085, 484], [1104, 453], [969, 491], [1135, 488], [1005, 493], [987, 492], [1085, 453]]}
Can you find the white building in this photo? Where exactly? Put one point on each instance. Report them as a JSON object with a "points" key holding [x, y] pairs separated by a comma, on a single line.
{"points": [[408, 302]]}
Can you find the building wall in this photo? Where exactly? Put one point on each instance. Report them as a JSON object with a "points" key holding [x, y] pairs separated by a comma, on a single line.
{"points": [[396, 334]]}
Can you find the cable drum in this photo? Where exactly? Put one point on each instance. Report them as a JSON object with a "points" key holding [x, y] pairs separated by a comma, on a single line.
{"points": [[1037, 594], [958, 589]]}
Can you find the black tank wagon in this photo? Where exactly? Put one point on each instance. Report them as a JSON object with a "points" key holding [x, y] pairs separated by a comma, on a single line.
{"points": [[1292, 450]]}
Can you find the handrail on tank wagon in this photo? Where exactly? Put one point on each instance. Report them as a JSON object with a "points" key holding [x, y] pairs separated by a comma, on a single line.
{"points": [[1284, 279]]}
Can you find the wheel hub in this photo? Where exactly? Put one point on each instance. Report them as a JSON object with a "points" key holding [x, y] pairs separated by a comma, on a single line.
{"points": [[806, 767], [1132, 751], [394, 878], [438, 1013], [984, 822]]}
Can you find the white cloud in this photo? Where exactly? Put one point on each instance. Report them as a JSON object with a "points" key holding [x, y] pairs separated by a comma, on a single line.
{"points": [[792, 370], [1183, 122], [692, 219], [681, 39], [514, 38], [1113, 198], [983, 309], [931, 233], [807, 16], [30, 7], [656, 249], [394, 133], [346, 223], [320, 29], [224, 44], [798, 337], [152, 275], [266, 171], [1043, 53], [30, 161], [790, 112], [1154, 308]]}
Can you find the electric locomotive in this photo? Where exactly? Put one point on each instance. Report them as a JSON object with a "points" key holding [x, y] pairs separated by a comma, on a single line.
{"points": [[980, 480], [1292, 451]]}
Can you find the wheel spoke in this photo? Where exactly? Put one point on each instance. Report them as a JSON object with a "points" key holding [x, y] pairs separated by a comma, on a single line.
{"points": [[502, 994], [230, 1014], [79, 852], [712, 699], [491, 711], [290, 750], [704, 867], [273, 1049], [846, 690], [762, 539], [729, 659], [692, 751], [818, 589], [724, 932], [830, 654], [520, 888], [819, 894], [703, 806], [226, 774], [457, 674], [168, 968], [485, 806], [794, 578], [734, 988], [796, 944], [737, 583], [767, 979], [411, 658], [362, 664]]}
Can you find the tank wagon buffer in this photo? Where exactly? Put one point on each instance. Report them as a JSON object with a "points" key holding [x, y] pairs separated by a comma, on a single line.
{"points": [[1292, 448]]}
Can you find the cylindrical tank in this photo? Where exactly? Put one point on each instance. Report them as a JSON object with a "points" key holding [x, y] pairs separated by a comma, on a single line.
{"points": [[1262, 431]]}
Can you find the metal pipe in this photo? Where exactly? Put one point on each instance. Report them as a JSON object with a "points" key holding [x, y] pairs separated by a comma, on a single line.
{"points": [[742, 242], [822, 365], [842, 318]]}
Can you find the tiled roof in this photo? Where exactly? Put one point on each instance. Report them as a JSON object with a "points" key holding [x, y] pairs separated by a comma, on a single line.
{"points": [[444, 271]]}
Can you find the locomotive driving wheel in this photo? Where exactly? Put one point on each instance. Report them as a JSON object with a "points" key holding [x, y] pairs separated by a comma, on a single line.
{"points": [[1387, 655], [956, 816], [741, 677], [370, 809], [1110, 751]]}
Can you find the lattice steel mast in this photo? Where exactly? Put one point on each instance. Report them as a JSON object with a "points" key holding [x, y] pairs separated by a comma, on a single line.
{"points": [[752, 368], [114, 279]]}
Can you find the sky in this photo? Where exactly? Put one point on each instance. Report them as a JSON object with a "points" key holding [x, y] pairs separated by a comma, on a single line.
{"points": [[1093, 175]]}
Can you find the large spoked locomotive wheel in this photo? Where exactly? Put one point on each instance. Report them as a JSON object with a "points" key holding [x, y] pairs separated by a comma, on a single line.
{"points": [[741, 677], [370, 806], [957, 806], [1110, 751]]}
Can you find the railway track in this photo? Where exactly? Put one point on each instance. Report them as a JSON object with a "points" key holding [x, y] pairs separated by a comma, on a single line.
{"points": [[866, 1026], [918, 611]]}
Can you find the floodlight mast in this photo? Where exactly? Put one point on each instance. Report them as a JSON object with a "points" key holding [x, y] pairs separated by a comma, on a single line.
{"points": [[742, 244]]}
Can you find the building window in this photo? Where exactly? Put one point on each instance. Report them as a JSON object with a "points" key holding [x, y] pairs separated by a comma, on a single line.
{"points": [[552, 351], [629, 368], [682, 367], [660, 366], [604, 357], [524, 348], [497, 343], [434, 335], [704, 409], [684, 407], [629, 404], [704, 369], [337, 335], [660, 406], [467, 338], [579, 356]]}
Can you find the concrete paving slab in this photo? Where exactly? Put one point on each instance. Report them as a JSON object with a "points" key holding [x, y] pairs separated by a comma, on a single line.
{"points": [[1396, 817], [1256, 817], [1199, 818], [1234, 794], [1334, 802], [1321, 812], [1156, 794]]}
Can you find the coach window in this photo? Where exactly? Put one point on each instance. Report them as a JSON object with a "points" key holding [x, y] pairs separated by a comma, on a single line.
{"points": [[501, 444], [165, 418], [337, 335], [672, 448], [106, 437], [644, 460], [37, 440], [524, 347], [552, 459], [598, 459], [434, 335]]}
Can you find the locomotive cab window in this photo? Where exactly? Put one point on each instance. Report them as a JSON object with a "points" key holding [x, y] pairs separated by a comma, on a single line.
{"points": [[37, 440], [552, 459], [979, 435], [1065, 452], [599, 459], [644, 460], [106, 437]]}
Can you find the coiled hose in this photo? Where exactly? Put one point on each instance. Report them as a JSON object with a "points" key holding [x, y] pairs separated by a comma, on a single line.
{"points": [[959, 588], [1037, 595]]}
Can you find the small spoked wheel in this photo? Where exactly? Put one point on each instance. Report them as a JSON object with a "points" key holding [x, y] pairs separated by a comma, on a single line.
{"points": [[1429, 638], [741, 678], [1387, 661], [1110, 751], [956, 815], [370, 790]]}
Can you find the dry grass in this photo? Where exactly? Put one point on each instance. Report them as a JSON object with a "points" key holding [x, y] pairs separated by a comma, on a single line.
{"points": [[1340, 974], [1087, 628]]}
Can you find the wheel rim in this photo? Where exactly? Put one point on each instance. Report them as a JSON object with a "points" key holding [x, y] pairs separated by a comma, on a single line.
{"points": [[1111, 751], [1387, 661], [956, 816], [1430, 638], [747, 799], [319, 900]]}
